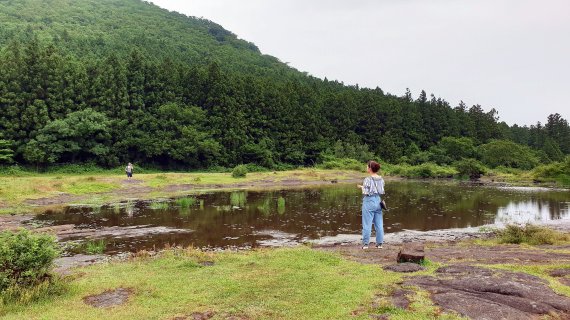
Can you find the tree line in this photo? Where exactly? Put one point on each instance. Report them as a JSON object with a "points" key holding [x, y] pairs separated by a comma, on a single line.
{"points": [[57, 107]]}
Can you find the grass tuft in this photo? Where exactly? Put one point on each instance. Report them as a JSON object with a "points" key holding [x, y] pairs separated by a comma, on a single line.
{"points": [[186, 202], [156, 205], [95, 247]]}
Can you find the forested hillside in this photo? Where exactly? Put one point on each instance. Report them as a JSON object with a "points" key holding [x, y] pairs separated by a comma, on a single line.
{"points": [[111, 81]]}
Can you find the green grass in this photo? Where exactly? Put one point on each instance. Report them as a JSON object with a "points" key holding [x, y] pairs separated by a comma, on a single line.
{"points": [[270, 284], [238, 199], [156, 205], [20, 297], [186, 202], [281, 205], [88, 186], [95, 246]]}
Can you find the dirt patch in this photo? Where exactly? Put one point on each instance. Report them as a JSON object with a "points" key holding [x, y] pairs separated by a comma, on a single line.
{"points": [[197, 316], [405, 267], [132, 181], [400, 299], [63, 198], [559, 273], [207, 263], [132, 191], [180, 187], [109, 298], [564, 281], [481, 293]]}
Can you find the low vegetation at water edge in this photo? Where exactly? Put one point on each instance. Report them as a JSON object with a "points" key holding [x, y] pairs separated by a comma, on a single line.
{"points": [[531, 234]]}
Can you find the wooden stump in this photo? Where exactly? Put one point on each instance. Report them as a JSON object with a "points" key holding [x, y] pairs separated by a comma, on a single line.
{"points": [[411, 253]]}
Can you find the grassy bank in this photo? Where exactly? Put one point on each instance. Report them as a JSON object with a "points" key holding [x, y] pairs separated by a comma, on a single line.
{"points": [[21, 189], [298, 283], [20, 192]]}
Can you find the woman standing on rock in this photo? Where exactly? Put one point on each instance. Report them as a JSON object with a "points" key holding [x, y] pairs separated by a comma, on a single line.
{"points": [[372, 188]]}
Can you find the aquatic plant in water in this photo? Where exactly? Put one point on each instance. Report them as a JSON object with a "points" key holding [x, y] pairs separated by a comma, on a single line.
{"points": [[186, 202], [95, 246], [281, 205], [156, 205], [238, 199]]}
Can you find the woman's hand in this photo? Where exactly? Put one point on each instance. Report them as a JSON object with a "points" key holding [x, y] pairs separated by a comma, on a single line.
{"points": [[359, 186]]}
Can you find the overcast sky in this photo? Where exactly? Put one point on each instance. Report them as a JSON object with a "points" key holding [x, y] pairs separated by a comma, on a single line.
{"points": [[513, 55]]}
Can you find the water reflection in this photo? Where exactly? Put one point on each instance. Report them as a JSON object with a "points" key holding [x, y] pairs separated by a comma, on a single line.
{"points": [[247, 217]]}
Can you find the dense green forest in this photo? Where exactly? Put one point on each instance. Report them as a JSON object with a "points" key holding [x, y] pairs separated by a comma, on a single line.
{"points": [[116, 81]]}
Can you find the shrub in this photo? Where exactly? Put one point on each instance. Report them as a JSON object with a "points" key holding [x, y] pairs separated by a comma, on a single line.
{"points": [[252, 167], [342, 164], [425, 170], [509, 154], [471, 168], [557, 171], [26, 258], [15, 171], [239, 171], [530, 234]]}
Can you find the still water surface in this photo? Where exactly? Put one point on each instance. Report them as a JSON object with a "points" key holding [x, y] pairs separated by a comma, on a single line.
{"points": [[251, 218]]}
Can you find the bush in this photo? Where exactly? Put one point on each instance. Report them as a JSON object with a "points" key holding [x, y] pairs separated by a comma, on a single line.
{"points": [[471, 168], [509, 154], [14, 171], [342, 164], [425, 170], [530, 234], [557, 171], [26, 258], [239, 171]]}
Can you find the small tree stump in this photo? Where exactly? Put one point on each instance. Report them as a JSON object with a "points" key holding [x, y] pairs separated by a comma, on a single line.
{"points": [[411, 253]]}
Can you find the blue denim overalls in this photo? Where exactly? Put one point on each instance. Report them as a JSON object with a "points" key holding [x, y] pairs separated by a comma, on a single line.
{"points": [[372, 211]]}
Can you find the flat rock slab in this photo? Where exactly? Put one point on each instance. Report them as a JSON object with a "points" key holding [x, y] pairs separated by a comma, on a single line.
{"points": [[404, 267], [499, 254], [64, 265], [14, 222], [480, 293], [109, 298]]}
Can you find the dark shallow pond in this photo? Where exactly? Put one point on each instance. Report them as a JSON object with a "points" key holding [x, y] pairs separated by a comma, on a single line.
{"points": [[254, 218]]}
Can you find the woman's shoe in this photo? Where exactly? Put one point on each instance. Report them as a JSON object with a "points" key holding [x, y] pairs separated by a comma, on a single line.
{"points": [[379, 246], [364, 247]]}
